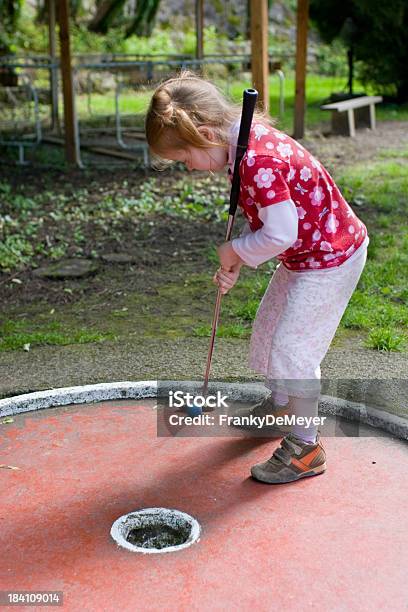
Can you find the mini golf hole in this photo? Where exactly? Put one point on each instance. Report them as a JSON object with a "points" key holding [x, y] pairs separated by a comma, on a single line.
{"points": [[155, 530], [158, 536]]}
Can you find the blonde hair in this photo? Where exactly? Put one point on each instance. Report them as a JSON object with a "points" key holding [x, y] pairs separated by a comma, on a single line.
{"points": [[179, 106]]}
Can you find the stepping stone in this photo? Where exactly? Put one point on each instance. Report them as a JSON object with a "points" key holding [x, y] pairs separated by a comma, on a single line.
{"points": [[121, 258], [68, 268]]}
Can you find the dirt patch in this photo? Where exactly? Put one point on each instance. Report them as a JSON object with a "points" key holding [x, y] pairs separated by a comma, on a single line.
{"points": [[163, 246], [172, 247], [159, 246], [336, 152]]}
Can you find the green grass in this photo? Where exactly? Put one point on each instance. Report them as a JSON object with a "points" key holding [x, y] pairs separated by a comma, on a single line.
{"points": [[212, 256], [233, 330], [15, 335], [393, 153], [384, 340], [133, 104], [247, 311], [379, 306]]}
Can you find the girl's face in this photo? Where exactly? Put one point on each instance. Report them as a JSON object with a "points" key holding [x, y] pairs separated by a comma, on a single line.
{"points": [[213, 159]]}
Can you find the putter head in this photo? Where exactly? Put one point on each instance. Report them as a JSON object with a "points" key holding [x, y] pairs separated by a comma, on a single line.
{"points": [[194, 410]]}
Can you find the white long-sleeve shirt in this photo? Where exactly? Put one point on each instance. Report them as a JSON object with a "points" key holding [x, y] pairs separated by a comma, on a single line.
{"points": [[278, 233]]}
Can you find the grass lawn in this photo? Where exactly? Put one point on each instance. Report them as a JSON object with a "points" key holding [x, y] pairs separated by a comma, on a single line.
{"points": [[379, 306], [318, 88], [19, 334]]}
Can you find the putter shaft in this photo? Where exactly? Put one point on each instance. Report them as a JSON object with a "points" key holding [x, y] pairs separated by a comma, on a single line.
{"points": [[216, 315]]}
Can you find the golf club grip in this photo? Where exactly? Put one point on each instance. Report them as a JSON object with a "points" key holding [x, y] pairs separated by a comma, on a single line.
{"points": [[248, 106]]}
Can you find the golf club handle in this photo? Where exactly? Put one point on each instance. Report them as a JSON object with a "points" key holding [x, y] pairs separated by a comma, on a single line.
{"points": [[230, 225], [248, 106]]}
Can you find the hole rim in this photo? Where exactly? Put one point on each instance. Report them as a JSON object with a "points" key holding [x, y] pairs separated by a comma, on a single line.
{"points": [[123, 525]]}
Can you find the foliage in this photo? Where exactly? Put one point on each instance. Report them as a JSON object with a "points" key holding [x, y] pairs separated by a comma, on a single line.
{"points": [[32, 36], [377, 33], [110, 14], [143, 22], [106, 14], [10, 11], [385, 340], [330, 59]]}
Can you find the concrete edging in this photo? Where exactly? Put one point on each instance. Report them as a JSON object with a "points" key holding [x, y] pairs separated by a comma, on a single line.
{"points": [[39, 400]]}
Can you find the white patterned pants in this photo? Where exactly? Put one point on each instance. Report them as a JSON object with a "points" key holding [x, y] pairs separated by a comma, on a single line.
{"points": [[296, 322]]}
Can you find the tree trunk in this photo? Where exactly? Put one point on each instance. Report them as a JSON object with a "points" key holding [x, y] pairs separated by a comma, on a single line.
{"points": [[105, 13]]}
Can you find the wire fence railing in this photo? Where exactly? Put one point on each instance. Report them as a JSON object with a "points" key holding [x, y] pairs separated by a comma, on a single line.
{"points": [[111, 91]]}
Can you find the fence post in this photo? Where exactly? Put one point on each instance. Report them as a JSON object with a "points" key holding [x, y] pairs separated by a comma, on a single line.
{"points": [[259, 50], [70, 125], [301, 57], [55, 125], [199, 12]]}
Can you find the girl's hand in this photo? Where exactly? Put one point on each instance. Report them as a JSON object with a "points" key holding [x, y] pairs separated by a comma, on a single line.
{"points": [[228, 257], [226, 280]]}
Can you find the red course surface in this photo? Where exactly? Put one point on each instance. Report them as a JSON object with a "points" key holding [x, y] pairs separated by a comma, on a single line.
{"points": [[337, 541]]}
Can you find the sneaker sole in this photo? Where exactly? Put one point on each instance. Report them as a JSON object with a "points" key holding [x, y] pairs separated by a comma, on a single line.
{"points": [[315, 472]]}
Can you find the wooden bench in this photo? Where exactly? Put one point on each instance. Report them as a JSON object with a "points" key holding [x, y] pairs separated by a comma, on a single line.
{"points": [[360, 111]]}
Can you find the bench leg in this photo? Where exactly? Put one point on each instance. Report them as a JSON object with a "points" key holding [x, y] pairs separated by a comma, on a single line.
{"points": [[372, 116], [352, 127]]}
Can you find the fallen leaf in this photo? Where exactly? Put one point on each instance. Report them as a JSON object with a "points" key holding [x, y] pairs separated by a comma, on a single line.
{"points": [[7, 420]]}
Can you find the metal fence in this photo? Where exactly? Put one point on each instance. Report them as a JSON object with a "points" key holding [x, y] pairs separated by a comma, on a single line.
{"points": [[113, 74]]}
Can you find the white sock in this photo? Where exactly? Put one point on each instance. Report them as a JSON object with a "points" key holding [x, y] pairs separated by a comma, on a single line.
{"points": [[280, 398], [304, 407]]}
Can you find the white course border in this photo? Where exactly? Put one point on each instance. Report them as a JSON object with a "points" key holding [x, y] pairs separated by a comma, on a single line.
{"points": [[64, 396]]}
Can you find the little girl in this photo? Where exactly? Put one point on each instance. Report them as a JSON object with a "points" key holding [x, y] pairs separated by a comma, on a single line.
{"points": [[296, 213]]}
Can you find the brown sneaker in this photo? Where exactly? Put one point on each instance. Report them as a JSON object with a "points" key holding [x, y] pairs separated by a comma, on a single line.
{"points": [[292, 460], [251, 419]]}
